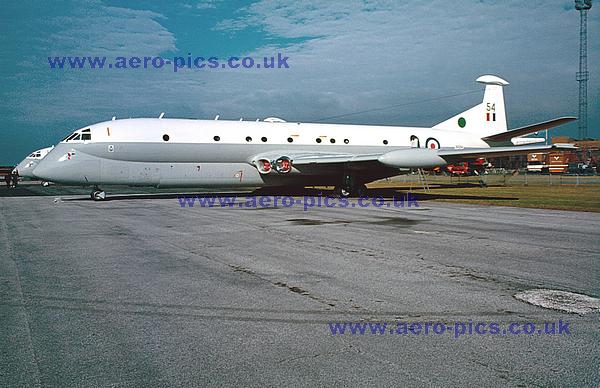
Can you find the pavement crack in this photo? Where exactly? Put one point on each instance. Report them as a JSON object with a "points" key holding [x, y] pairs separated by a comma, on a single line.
{"points": [[10, 254]]}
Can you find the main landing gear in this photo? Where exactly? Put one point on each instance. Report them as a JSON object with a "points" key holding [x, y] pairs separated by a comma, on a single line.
{"points": [[98, 194], [351, 191], [350, 188]]}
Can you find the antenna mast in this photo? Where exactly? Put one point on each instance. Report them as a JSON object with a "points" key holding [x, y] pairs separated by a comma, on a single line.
{"points": [[582, 75]]}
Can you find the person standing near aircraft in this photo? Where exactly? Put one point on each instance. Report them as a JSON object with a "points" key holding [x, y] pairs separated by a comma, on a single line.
{"points": [[15, 178]]}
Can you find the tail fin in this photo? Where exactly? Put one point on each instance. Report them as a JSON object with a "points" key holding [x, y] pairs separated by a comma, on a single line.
{"points": [[485, 119]]}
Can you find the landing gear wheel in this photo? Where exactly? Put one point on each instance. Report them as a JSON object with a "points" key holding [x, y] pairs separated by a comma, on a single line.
{"points": [[356, 191], [343, 191], [98, 194]]}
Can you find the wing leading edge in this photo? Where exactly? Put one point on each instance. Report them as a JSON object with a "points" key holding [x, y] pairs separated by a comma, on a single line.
{"points": [[402, 158]]}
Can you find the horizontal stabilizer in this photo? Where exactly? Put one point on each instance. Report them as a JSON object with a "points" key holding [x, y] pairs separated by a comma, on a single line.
{"points": [[473, 153], [503, 136]]}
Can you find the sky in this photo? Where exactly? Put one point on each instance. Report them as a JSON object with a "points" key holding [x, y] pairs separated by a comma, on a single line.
{"points": [[361, 62]]}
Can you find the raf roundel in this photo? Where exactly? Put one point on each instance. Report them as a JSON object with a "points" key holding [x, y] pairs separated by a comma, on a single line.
{"points": [[432, 143]]}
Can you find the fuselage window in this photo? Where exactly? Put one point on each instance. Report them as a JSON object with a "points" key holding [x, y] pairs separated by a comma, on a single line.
{"points": [[385, 142], [318, 140], [216, 138], [290, 140], [248, 139], [263, 139], [346, 141], [332, 141], [166, 137]]}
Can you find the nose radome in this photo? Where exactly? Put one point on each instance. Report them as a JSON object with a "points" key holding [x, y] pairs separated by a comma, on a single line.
{"points": [[25, 169], [44, 170]]}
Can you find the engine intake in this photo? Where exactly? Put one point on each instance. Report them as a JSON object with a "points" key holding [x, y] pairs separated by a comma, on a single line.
{"points": [[263, 166], [283, 165]]}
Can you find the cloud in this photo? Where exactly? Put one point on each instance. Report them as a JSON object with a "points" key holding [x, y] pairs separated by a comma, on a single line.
{"points": [[207, 4], [368, 54], [357, 53], [93, 30]]}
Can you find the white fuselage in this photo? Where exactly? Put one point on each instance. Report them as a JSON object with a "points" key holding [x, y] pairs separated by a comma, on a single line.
{"points": [[265, 135]]}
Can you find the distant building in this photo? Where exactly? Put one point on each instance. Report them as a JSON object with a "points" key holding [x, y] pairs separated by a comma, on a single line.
{"points": [[583, 160]]}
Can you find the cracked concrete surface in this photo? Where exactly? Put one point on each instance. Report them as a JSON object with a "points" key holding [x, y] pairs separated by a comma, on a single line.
{"points": [[138, 291]]}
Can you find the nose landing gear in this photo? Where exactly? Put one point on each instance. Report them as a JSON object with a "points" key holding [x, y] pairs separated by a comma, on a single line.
{"points": [[98, 194]]}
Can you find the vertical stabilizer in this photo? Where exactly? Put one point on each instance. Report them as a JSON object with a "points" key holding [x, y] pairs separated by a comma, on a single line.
{"points": [[485, 119]]}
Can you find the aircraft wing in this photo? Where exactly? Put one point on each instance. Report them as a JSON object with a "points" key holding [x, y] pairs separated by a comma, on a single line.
{"points": [[503, 136], [401, 158], [333, 158], [308, 157], [310, 162]]}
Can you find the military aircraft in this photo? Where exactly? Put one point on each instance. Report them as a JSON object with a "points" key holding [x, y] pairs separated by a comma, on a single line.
{"points": [[166, 152]]}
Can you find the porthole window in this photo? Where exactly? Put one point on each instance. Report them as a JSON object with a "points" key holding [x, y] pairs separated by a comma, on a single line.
{"points": [[332, 141], [248, 139], [263, 139], [385, 142], [290, 140], [166, 137], [216, 138], [346, 141], [318, 140]]}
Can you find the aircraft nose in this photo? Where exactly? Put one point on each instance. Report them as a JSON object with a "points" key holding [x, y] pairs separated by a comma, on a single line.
{"points": [[25, 169], [45, 170]]}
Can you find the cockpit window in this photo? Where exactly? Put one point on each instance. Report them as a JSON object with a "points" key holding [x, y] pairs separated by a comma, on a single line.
{"points": [[80, 135]]}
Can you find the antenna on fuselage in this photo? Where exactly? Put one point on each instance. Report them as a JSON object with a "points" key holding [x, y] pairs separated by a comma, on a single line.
{"points": [[114, 118], [217, 117], [162, 114]]}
